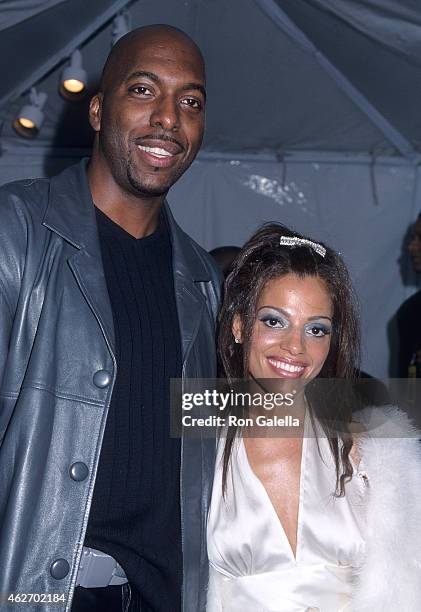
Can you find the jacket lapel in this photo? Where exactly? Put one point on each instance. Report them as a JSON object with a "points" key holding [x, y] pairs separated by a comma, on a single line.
{"points": [[71, 214], [189, 272], [89, 274]]}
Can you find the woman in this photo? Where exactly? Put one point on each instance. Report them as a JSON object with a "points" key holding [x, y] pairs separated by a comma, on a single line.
{"points": [[315, 520]]}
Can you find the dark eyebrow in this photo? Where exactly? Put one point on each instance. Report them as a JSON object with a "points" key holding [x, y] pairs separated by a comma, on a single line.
{"points": [[155, 78], [282, 311], [142, 73], [198, 86]]}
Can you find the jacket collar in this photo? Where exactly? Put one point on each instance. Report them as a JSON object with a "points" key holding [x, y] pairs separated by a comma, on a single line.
{"points": [[70, 210], [70, 213]]}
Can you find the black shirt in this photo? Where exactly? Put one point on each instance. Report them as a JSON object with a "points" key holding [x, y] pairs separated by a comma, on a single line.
{"points": [[135, 512]]}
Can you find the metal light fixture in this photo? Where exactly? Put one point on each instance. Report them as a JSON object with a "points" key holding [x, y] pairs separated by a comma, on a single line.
{"points": [[31, 117], [74, 78], [121, 25]]}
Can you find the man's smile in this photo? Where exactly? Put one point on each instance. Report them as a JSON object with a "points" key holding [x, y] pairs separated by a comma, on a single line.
{"points": [[159, 152], [156, 151]]}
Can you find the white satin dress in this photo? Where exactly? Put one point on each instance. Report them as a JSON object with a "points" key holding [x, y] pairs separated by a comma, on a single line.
{"points": [[252, 565]]}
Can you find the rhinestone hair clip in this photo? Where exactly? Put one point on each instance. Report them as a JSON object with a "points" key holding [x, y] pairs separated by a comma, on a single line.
{"points": [[295, 241]]}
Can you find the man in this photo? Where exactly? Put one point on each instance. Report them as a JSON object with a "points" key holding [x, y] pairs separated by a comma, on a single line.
{"points": [[409, 316], [103, 300]]}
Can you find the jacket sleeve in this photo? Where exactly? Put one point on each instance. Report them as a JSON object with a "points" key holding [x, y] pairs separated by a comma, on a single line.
{"points": [[13, 250], [6, 322]]}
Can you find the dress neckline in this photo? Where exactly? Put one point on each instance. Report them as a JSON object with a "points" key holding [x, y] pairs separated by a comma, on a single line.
{"points": [[260, 487]]}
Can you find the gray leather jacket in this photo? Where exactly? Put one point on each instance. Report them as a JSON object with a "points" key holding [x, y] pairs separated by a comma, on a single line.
{"points": [[57, 370]]}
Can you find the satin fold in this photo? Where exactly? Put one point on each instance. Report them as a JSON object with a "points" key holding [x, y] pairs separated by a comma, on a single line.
{"points": [[252, 565]]}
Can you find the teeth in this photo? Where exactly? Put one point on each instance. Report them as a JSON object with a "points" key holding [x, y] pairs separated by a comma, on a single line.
{"points": [[286, 366], [156, 151]]}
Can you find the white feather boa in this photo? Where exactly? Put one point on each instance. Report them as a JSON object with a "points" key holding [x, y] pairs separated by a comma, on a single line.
{"points": [[389, 580]]}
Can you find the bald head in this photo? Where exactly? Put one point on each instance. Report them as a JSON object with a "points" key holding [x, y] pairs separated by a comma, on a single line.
{"points": [[131, 45], [149, 114]]}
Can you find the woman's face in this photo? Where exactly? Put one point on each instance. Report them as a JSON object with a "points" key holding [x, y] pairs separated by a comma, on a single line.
{"points": [[292, 330]]}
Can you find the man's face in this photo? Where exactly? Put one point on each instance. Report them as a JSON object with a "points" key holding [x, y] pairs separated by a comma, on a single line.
{"points": [[151, 119], [414, 246]]}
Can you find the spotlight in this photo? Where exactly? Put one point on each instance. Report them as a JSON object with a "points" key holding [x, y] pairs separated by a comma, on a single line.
{"points": [[73, 78], [121, 25], [30, 118]]}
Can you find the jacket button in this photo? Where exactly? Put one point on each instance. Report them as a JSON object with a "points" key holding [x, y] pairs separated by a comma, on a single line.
{"points": [[78, 471], [59, 569], [102, 378]]}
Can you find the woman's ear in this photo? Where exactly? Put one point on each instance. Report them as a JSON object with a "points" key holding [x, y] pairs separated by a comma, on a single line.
{"points": [[237, 329]]}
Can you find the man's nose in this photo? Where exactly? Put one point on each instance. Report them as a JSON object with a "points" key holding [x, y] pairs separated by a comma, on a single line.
{"points": [[166, 114]]}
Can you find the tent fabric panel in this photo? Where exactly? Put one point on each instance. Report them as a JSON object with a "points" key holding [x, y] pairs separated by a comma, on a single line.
{"points": [[396, 24], [386, 79], [260, 84], [13, 12], [49, 37], [273, 10]]}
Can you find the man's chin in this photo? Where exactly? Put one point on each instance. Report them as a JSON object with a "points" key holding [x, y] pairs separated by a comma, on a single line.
{"points": [[152, 184], [150, 192], [146, 189]]}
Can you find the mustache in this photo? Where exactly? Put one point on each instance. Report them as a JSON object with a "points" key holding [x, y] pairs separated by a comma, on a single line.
{"points": [[160, 138]]}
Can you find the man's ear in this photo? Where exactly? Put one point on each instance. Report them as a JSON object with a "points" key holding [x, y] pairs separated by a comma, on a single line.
{"points": [[237, 329], [95, 111]]}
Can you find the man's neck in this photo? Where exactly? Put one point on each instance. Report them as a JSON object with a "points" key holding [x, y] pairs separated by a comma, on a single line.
{"points": [[136, 214]]}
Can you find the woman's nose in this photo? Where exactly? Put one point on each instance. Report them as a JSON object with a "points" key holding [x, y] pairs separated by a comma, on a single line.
{"points": [[293, 341]]}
